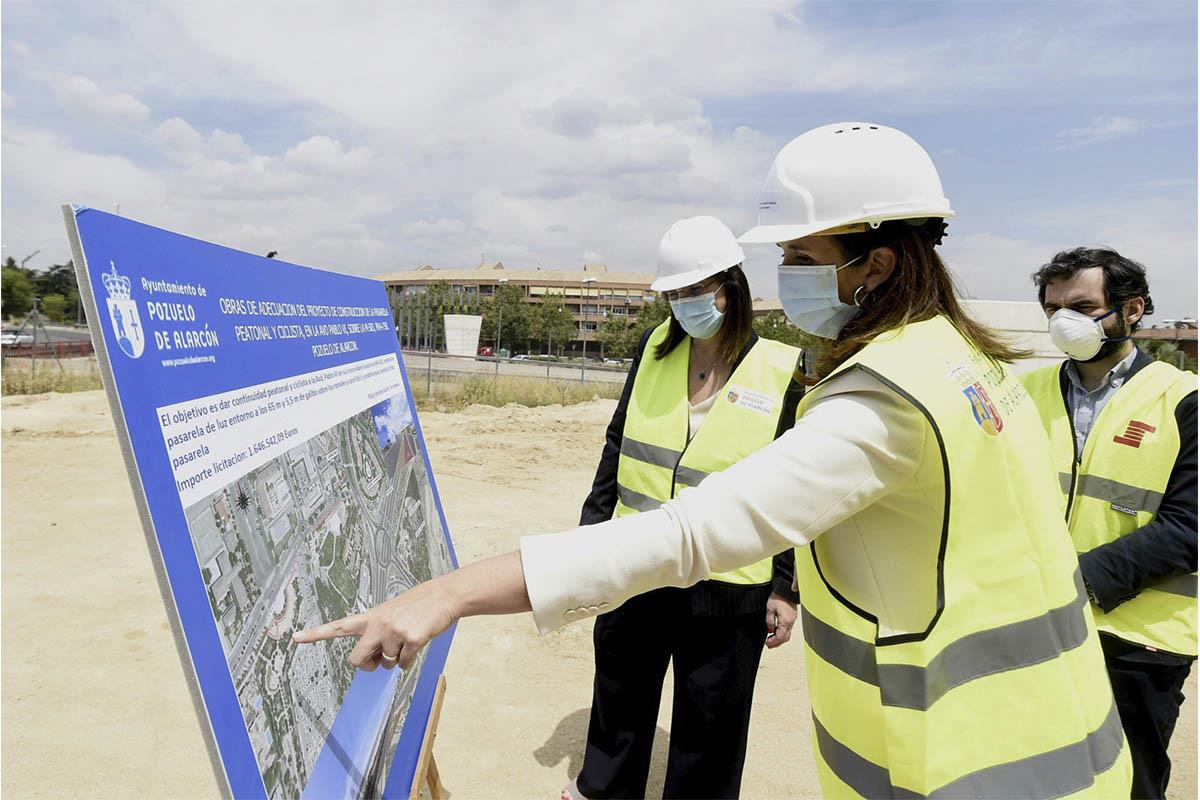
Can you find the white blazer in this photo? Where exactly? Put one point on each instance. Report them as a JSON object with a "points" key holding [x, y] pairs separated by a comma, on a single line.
{"points": [[853, 465]]}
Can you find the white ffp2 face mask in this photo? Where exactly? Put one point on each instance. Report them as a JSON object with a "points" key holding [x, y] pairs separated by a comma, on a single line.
{"points": [[1078, 335], [809, 296]]}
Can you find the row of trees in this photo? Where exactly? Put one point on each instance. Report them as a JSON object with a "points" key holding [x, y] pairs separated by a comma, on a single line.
{"points": [[545, 327], [512, 323], [519, 325], [54, 287]]}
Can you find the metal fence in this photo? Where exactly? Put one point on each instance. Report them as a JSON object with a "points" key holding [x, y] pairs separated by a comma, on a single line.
{"points": [[426, 368], [76, 349]]}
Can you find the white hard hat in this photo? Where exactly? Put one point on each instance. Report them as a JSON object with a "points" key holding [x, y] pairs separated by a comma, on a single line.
{"points": [[694, 249], [846, 176]]}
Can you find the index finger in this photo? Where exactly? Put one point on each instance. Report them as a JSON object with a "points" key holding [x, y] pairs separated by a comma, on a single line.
{"points": [[353, 625]]}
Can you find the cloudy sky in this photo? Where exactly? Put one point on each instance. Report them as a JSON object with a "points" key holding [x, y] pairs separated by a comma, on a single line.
{"points": [[370, 137]]}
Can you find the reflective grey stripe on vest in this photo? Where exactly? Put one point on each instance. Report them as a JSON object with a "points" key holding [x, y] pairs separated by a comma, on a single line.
{"points": [[1183, 585], [852, 656], [1064, 478], [1059, 772], [1117, 493], [636, 500], [664, 457], [652, 454], [977, 655], [688, 476]]}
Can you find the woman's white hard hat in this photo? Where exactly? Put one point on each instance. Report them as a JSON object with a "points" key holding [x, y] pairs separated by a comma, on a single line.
{"points": [[694, 249], [846, 177]]}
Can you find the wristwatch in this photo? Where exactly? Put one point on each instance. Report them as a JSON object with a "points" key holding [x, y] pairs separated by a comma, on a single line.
{"points": [[1091, 593]]}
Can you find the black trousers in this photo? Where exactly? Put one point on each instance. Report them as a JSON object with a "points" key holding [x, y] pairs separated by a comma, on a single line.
{"points": [[716, 661], [1148, 688]]}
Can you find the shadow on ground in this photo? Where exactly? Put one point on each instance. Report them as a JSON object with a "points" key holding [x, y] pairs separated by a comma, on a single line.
{"points": [[565, 743]]}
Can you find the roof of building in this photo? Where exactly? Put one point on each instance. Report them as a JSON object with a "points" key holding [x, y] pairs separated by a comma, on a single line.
{"points": [[491, 273], [1171, 334]]}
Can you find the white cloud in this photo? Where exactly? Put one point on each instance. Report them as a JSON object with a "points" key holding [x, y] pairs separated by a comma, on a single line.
{"points": [[227, 145], [179, 136], [84, 96], [393, 418], [402, 134], [1102, 129], [41, 172], [322, 154], [1158, 232], [182, 140]]}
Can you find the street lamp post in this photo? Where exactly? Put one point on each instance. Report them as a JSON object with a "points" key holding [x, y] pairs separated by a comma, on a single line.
{"points": [[583, 327], [499, 321]]}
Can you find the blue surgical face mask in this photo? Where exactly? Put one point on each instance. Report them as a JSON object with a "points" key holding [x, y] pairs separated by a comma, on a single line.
{"points": [[698, 316], [809, 296]]}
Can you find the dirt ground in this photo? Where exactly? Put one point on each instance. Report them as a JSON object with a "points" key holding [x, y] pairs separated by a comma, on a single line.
{"points": [[94, 698]]}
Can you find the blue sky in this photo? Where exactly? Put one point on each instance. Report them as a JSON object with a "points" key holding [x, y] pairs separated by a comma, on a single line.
{"points": [[389, 137]]}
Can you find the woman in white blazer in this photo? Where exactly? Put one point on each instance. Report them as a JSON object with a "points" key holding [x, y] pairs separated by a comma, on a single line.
{"points": [[950, 651]]}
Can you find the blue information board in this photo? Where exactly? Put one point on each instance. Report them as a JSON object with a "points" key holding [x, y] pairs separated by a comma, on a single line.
{"points": [[282, 480]]}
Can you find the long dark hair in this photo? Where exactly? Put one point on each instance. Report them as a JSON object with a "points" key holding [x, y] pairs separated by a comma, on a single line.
{"points": [[735, 328], [919, 288]]}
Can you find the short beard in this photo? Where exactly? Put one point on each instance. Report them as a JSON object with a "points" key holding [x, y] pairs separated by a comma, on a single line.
{"points": [[1110, 345]]}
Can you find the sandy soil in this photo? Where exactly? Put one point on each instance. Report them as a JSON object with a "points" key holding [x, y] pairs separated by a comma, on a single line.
{"points": [[95, 703]]}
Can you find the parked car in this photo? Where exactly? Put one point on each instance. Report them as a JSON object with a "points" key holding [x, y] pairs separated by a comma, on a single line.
{"points": [[486, 351], [12, 337], [521, 357]]}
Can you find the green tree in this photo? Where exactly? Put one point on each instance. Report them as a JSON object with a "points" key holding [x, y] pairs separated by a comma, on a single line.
{"points": [[774, 325], [56, 279], [552, 323], [508, 307], [16, 290], [1168, 351], [437, 299], [651, 315], [55, 307], [617, 336]]}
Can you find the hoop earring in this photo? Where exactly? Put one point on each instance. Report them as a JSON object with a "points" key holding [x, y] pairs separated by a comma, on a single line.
{"points": [[865, 294]]}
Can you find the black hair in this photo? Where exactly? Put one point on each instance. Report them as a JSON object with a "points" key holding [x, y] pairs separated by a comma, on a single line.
{"points": [[1124, 278]]}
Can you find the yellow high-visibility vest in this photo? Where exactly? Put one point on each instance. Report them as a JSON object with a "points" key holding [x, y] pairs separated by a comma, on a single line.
{"points": [[1005, 693], [1116, 485], [657, 461]]}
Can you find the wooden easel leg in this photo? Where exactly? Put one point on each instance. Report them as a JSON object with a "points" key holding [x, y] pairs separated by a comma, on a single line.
{"points": [[434, 779], [427, 771]]}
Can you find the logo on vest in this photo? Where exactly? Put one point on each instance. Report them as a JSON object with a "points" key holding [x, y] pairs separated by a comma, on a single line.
{"points": [[1123, 509], [741, 397], [1134, 433], [987, 416]]}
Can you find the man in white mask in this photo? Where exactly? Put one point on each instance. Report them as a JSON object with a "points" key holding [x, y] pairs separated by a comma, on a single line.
{"points": [[1123, 431]]}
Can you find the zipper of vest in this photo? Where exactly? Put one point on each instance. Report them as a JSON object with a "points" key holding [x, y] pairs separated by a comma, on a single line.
{"points": [[675, 470]]}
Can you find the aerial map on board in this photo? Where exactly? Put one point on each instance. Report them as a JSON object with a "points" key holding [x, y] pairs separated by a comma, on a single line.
{"points": [[337, 524]]}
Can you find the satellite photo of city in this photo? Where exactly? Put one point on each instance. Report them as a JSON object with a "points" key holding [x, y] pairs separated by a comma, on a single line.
{"points": [[333, 526]]}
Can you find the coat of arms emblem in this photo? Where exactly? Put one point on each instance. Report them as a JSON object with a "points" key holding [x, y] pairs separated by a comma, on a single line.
{"points": [[123, 312]]}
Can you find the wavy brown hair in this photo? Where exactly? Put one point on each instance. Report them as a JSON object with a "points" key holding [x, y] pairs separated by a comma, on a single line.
{"points": [[735, 328], [919, 288]]}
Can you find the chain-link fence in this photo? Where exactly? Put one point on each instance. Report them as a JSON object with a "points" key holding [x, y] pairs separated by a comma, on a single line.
{"points": [[426, 369]]}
